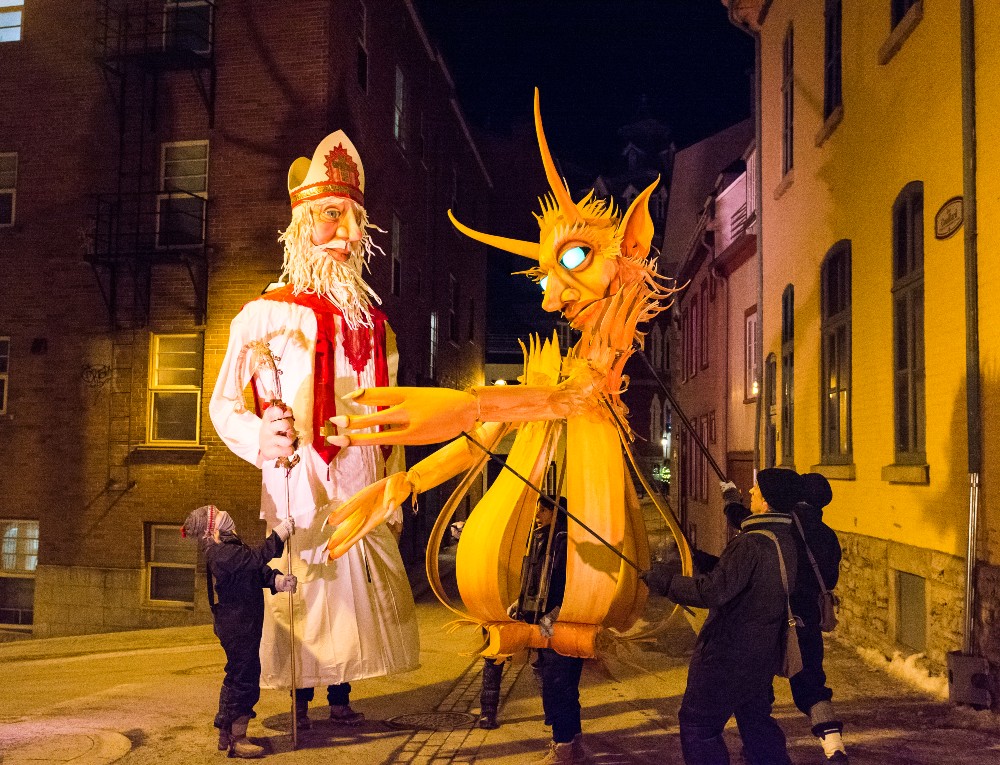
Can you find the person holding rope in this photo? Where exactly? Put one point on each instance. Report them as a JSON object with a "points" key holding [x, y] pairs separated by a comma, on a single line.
{"points": [[238, 574], [324, 335]]}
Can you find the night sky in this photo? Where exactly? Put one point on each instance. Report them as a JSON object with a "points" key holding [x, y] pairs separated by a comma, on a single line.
{"points": [[594, 62]]}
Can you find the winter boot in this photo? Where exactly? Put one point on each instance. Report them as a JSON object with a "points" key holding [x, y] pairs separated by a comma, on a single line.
{"points": [[833, 747], [489, 695], [302, 721], [239, 745], [828, 731], [342, 714], [565, 754], [224, 734]]}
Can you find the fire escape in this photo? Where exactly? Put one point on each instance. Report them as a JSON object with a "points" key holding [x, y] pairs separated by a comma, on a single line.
{"points": [[158, 211]]}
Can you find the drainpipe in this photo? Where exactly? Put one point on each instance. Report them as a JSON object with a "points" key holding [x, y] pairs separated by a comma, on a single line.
{"points": [[968, 674], [759, 193]]}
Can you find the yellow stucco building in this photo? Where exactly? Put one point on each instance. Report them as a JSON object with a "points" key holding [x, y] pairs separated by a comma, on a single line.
{"points": [[863, 305]]}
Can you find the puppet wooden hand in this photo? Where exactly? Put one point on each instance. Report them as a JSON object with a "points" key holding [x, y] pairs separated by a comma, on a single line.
{"points": [[364, 511], [277, 432], [414, 416]]}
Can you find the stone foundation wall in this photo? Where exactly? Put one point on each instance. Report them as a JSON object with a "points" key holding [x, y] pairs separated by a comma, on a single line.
{"points": [[869, 603], [78, 600]]}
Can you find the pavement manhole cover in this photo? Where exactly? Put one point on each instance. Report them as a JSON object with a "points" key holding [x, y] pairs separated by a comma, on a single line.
{"points": [[432, 721]]}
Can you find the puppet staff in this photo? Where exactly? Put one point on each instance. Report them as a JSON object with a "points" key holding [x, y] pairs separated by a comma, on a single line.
{"points": [[262, 359]]}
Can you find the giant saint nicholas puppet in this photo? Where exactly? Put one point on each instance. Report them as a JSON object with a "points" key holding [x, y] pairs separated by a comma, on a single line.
{"points": [[595, 267], [306, 345]]}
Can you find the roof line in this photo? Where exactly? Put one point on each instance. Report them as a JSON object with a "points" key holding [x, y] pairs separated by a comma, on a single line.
{"points": [[468, 136]]}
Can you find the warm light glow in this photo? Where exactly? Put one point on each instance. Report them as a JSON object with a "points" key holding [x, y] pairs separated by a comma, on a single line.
{"points": [[499, 382], [755, 388]]}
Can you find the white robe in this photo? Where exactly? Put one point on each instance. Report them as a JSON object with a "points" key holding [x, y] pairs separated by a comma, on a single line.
{"points": [[354, 617]]}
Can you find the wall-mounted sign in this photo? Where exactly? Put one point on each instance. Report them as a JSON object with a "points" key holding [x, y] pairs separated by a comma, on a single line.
{"points": [[949, 218]]}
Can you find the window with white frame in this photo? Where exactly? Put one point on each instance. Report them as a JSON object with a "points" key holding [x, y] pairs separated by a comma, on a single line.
{"points": [[170, 564], [187, 25], [180, 205], [4, 372], [18, 563], [8, 186], [399, 110], [11, 19], [397, 263], [175, 372], [363, 47], [432, 357], [750, 384]]}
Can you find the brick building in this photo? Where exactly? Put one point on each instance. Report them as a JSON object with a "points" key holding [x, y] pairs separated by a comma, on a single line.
{"points": [[144, 149]]}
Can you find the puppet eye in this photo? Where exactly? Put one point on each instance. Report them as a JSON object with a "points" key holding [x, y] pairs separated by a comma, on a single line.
{"points": [[574, 256], [544, 283]]}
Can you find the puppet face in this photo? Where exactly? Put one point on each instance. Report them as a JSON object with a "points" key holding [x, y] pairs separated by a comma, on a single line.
{"points": [[577, 268], [335, 227]]}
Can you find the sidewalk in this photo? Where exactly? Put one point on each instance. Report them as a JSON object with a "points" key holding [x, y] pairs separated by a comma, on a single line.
{"points": [[145, 697]]}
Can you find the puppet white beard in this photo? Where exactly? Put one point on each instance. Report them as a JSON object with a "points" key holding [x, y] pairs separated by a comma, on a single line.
{"points": [[312, 269]]}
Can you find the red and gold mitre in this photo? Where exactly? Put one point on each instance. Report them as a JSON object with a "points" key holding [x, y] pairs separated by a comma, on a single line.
{"points": [[334, 171]]}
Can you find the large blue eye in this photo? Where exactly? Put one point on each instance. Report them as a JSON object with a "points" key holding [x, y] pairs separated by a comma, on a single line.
{"points": [[574, 256], [544, 283]]}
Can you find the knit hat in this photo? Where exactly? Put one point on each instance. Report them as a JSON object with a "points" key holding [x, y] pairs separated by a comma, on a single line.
{"points": [[816, 490], [780, 488]]}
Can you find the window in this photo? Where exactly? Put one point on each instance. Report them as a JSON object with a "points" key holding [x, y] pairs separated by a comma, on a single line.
{"points": [[908, 324], [180, 206], [832, 58], [363, 48], [703, 330], [656, 347], [175, 372], [911, 610], [432, 357], [835, 311], [770, 410], [696, 337], [18, 563], [899, 9], [187, 25], [397, 263], [787, 102], [453, 308], [788, 376], [750, 384], [4, 372], [399, 114], [170, 564], [655, 420], [8, 187], [11, 18]]}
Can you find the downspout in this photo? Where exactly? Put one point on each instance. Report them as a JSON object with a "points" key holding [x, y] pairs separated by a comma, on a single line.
{"points": [[972, 381], [759, 192]]}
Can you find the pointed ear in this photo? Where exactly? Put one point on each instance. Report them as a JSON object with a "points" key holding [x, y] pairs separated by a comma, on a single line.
{"points": [[638, 226]]}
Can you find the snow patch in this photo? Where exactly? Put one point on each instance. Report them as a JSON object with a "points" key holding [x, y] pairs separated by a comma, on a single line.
{"points": [[908, 669]]}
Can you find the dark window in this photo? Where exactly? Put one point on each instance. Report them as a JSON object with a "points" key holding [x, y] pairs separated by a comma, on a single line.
{"points": [[899, 9], [831, 60], [836, 359], [911, 610], [787, 102], [771, 411], [703, 330], [908, 324], [788, 376], [188, 25]]}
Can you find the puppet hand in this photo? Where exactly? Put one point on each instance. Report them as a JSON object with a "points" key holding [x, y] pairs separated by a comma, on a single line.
{"points": [[546, 625], [285, 528], [277, 432], [285, 583], [366, 510], [414, 416]]}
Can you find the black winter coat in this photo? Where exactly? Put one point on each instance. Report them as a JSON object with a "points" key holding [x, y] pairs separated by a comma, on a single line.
{"points": [[741, 640], [825, 547], [240, 574]]}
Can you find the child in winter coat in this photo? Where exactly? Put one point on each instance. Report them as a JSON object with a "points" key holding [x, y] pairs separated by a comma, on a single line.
{"points": [[239, 574]]}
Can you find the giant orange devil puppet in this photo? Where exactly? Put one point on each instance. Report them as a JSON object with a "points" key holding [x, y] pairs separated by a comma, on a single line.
{"points": [[595, 267]]}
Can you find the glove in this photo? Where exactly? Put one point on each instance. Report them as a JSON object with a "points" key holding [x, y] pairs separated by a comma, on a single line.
{"points": [[659, 576], [285, 528], [730, 493], [547, 623], [285, 583], [512, 610]]}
